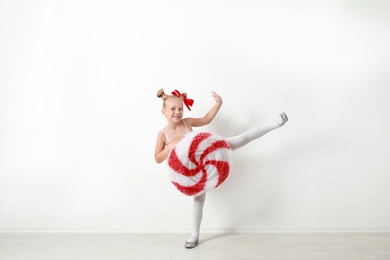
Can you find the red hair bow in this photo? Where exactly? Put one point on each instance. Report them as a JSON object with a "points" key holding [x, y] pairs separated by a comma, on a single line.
{"points": [[187, 101]]}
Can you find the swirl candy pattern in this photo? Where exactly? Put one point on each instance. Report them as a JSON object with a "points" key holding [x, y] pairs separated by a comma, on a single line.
{"points": [[199, 162]]}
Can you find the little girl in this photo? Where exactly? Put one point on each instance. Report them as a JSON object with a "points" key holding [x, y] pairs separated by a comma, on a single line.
{"points": [[177, 127]]}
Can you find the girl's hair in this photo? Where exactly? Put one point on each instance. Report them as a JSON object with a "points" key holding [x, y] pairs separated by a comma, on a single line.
{"points": [[161, 94]]}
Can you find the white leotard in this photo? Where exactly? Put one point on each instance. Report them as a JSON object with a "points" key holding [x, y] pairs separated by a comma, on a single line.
{"points": [[166, 136]]}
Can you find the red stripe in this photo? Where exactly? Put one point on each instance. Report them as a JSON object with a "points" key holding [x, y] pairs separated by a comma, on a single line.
{"points": [[194, 189], [223, 170], [197, 139], [177, 165]]}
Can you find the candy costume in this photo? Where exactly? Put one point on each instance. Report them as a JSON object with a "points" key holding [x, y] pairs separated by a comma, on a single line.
{"points": [[200, 162]]}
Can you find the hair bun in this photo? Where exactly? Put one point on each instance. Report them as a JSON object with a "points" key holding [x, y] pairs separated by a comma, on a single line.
{"points": [[161, 94]]}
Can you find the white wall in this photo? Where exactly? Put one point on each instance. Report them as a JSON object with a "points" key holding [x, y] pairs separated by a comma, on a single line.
{"points": [[79, 116]]}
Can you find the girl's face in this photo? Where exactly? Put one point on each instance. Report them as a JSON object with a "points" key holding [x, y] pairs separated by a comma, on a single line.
{"points": [[173, 109]]}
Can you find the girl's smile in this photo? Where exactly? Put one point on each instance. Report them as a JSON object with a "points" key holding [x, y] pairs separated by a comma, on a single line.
{"points": [[173, 109]]}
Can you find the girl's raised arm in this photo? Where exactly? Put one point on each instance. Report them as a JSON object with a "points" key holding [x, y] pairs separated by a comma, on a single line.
{"points": [[201, 121]]}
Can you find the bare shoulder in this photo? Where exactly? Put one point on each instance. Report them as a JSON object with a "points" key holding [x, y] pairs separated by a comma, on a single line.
{"points": [[160, 136], [189, 121], [160, 142]]}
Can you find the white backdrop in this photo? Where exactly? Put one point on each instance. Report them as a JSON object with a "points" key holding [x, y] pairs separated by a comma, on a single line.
{"points": [[79, 115]]}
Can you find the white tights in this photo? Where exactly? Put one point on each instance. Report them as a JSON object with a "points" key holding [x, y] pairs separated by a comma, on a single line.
{"points": [[235, 142], [238, 141], [197, 215]]}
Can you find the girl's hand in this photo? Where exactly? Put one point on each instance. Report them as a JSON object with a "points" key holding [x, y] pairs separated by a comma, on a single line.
{"points": [[216, 97], [175, 141]]}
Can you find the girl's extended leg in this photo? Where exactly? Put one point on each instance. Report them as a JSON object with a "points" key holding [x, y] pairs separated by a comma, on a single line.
{"points": [[197, 219], [238, 141]]}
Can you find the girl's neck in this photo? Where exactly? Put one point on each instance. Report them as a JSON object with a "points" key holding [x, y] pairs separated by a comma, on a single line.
{"points": [[174, 125]]}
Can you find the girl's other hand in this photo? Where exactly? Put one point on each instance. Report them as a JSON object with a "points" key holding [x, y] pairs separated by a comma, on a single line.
{"points": [[216, 97], [176, 140]]}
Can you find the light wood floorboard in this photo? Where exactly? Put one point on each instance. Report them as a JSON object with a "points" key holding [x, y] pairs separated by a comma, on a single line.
{"points": [[118, 246]]}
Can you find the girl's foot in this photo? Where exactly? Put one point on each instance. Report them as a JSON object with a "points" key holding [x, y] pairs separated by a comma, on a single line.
{"points": [[282, 119], [191, 242]]}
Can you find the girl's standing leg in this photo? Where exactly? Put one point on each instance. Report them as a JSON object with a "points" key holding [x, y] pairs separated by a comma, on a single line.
{"points": [[238, 141], [197, 219]]}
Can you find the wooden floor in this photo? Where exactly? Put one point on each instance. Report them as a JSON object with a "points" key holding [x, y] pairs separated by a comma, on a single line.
{"points": [[51, 246]]}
